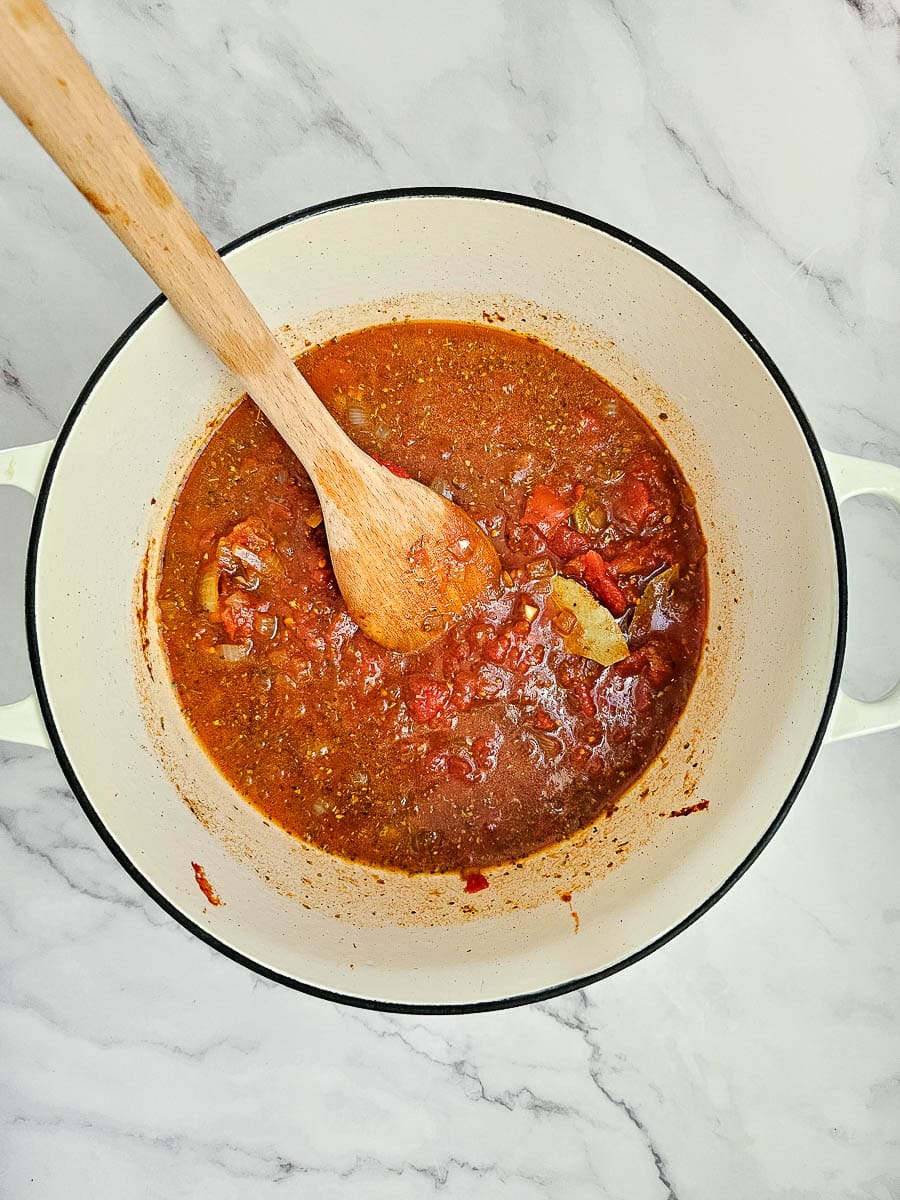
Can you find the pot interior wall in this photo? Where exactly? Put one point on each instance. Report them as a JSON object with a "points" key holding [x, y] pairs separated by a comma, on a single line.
{"points": [[742, 740]]}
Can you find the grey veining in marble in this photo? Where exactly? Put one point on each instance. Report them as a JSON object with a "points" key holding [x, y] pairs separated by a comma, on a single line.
{"points": [[758, 1055]]}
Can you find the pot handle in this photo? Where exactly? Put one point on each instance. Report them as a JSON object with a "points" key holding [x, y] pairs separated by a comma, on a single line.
{"points": [[863, 477], [23, 467]]}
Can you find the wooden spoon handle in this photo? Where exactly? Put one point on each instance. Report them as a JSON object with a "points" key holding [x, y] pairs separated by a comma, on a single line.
{"points": [[49, 85]]}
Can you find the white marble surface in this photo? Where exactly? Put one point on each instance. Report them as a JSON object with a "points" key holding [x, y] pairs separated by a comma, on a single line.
{"points": [[756, 1056]]}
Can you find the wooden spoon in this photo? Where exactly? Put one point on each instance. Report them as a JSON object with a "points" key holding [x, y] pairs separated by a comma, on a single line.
{"points": [[406, 560]]}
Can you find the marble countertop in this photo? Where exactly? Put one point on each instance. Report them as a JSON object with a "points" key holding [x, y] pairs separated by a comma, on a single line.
{"points": [[758, 1054]]}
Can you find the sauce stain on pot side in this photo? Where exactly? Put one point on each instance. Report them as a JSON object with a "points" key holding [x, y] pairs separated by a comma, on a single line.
{"points": [[205, 886]]}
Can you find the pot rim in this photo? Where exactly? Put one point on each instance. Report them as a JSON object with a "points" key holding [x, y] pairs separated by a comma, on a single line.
{"points": [[546, 993]]}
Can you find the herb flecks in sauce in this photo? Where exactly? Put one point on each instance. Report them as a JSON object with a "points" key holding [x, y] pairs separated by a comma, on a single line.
{"points": [[504, 737]]}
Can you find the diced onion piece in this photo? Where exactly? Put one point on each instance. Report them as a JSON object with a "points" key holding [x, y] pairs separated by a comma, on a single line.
{"points": [[250, 557], [265, 624], [314, 520], [442, 486], [249, 543], [462, 550], [529, 612], [564, 621], [522, 465], [551, 746], [208, 587], [540, 568], [234, 653], [357, 416], [596, 635]]}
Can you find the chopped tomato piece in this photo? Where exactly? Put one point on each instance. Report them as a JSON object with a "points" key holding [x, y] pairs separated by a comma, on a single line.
{"points": [[484, 751], [497, 649], [475, 882], [643, 694], [453, 660], [426, 697], [636, 503], [651, 661], [545, 510], [460, 768], [249, 547], [525, 540], [567, 543], [393, 468], [581, 701], [465, 690], [631, 558], [596, 573], [252, 534], [488, 686], [238, 615]]}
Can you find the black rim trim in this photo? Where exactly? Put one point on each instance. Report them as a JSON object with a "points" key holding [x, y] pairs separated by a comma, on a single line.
{"points": [[527, 997]]}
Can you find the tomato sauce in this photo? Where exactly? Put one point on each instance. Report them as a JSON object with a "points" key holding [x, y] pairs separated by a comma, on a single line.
{"points": [[498, 740]]}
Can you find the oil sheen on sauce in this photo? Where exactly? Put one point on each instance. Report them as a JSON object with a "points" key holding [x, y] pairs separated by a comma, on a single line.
{"points": [[496, 741]]}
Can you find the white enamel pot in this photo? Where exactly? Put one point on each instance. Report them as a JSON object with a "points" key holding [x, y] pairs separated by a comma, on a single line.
{"points": [[757, 716]]}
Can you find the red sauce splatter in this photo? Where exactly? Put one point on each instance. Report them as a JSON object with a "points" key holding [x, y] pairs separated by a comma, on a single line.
{"points": [[400, 472], [691, 808], [566, 898], [475, 882], [205, 886], [141, 614]]}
